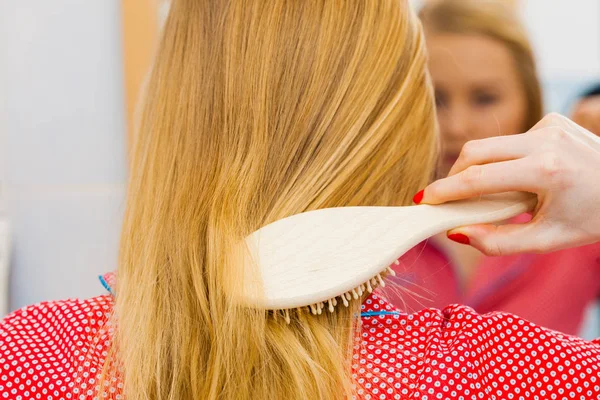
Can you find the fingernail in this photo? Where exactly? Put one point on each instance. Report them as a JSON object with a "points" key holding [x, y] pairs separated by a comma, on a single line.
{"points": [[418, 198], [459, 238]]}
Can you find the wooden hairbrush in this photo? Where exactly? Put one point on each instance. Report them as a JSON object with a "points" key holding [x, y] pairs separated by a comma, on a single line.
{"points": [[317, 259]]}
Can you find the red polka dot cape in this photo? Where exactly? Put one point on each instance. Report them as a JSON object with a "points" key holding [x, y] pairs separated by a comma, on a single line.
{"points": [[55, 350]]}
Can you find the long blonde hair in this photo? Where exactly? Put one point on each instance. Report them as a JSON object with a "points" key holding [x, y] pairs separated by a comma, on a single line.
{"points": [[257, 110], [498, 20]]}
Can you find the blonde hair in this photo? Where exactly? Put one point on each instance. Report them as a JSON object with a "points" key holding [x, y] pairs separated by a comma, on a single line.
{"points": [[498, 20], [255, 111]]}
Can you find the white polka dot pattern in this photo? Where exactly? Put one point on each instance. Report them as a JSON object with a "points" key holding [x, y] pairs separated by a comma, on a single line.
{"points": [[458, 354], [55, 351]]}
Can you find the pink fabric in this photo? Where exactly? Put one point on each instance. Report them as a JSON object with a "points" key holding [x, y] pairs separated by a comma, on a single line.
{"points": [[551, 290]]}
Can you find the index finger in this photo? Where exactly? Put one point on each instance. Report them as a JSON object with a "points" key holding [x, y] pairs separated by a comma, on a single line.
{"points": [[493, 149], [506, 176]]}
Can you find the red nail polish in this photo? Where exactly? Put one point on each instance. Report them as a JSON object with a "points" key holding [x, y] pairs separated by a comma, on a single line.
{"points": [[418, 197], [459, 238]]}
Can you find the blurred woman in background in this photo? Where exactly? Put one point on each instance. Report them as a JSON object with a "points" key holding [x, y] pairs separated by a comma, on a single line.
{"points": [[486, 85]]}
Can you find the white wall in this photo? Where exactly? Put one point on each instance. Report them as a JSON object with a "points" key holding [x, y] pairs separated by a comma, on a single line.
{"points": [[566, 36], [64, 126]]}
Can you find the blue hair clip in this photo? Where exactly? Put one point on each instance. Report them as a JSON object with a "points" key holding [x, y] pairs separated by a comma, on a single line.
{"points": [[105, 284], [378, 313]]}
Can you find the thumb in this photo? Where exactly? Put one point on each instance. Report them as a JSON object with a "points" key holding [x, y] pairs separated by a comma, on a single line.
{"points": [[502, 240]]}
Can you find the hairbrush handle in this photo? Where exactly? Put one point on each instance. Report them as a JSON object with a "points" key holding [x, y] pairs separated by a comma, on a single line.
{"points": [[480, 210]]}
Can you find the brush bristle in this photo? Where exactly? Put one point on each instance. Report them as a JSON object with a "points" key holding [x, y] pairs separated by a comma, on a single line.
{"points": [[331, 304]]}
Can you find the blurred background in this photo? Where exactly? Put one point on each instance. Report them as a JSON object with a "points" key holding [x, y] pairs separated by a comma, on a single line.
{"points": [[70, 72]]}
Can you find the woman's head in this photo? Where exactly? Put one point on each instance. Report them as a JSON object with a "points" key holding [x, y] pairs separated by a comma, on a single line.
{"points": [[484, 72], [255, 111]]}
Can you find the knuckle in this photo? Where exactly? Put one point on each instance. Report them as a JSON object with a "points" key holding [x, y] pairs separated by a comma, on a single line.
{"points": [[550, 164], [472, 175], [556, 134], [493, 249], [553, 118]]}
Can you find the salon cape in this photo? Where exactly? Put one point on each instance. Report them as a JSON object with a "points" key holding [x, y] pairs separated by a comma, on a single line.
{"points": [[56, 350]]}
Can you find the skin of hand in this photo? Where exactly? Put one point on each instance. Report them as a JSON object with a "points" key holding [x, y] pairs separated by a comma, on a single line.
{"points": [[587, 114], [557, 159]]}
